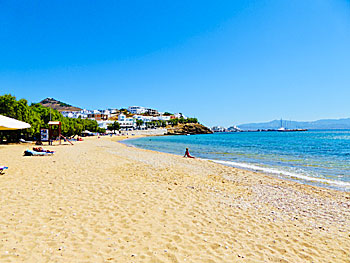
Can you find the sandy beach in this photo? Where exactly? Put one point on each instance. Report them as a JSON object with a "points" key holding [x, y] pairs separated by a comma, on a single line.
{"points": [[102, 201]]}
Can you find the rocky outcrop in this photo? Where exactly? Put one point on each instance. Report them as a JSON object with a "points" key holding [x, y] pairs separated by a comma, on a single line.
{"points": [[189, 128]]}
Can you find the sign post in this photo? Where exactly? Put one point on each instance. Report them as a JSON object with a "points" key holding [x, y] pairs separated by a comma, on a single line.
{"points": [[44, 135]]}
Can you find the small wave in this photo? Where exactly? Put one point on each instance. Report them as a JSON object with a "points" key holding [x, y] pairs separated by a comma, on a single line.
{"points": [[343, 137], [285, 173]]}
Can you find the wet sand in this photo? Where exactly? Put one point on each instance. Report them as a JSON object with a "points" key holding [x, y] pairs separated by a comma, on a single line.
{"points": [[101, 201]]}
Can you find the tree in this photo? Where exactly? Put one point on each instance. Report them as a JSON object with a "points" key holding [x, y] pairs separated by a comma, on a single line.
{"points": [[139, 123], [38, 117], [173, 122], [114, 126], [191, 120], [7, 105]]}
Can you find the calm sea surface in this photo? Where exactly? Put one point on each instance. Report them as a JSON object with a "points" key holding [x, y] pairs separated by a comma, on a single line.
{"points": [[314, 157]]}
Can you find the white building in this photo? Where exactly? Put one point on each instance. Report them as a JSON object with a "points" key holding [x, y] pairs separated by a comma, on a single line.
{"points": [[218, 129], [84, 113], [126, 123], [161, 118], [142, 110], [70, 114], [179, 115], [234, 129], [104, 124], [76, 114], [146, 119], [137, 110]]}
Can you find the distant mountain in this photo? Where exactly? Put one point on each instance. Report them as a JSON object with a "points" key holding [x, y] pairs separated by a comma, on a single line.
{"points": [[317, 125], [58, 105]]}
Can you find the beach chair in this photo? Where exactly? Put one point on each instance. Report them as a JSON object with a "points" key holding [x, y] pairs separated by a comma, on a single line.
{"points": [[2, 168], [34, 153]]}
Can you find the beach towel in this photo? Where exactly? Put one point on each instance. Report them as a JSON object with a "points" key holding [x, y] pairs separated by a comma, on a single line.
{"points": [[2, 168], [23, 141], [34, 153], [41, 149]]}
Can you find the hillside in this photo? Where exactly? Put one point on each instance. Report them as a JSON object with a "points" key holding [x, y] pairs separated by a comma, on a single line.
{"points": [[316, 125], [58, 105]]}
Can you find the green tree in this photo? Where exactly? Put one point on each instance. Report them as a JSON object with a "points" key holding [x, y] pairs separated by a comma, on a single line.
{"points": [[38, 117], [173, 122], [114, 126], [139, 123], [7, 105]]}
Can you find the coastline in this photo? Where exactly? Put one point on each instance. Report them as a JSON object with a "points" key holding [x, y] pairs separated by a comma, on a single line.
{"points": [[105, 202], [274, 172], [316, 188]]}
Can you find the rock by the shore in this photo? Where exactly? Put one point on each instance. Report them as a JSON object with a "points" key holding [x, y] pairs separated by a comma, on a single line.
{"points": [[188, 128]]}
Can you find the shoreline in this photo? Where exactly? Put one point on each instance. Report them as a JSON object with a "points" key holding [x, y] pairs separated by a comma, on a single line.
{"points": [[103, 201], [274, 173]]}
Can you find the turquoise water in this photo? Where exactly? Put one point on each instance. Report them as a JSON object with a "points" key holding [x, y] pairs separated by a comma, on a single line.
{"points": [[314, 157]]}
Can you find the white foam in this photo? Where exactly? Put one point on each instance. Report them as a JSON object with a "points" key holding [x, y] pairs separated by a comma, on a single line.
{"points": [[285, 173]]}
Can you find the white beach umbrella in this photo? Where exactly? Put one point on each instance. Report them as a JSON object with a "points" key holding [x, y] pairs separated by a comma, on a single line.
{"points": [[7, 124]]}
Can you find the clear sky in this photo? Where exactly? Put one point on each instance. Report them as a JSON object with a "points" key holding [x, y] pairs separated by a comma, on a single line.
{"points": [[224, 62]]}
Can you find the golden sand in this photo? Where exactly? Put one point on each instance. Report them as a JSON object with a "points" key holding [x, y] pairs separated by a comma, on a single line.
{"points": [[101, 201]]}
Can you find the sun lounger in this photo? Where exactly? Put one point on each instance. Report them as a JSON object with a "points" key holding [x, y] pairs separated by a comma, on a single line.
{"points": [[34, 153], [2, 168]]}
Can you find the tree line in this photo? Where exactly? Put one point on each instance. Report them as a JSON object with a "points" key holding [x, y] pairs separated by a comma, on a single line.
{"points": [[38, 117], [174, 122], [163, 124]]}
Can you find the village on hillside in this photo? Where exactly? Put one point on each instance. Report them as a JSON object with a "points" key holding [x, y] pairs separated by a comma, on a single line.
{"points": [[132, 118]]}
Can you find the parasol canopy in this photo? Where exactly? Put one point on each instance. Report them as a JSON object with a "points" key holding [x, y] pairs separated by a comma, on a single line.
{"points": [[7, 124]]}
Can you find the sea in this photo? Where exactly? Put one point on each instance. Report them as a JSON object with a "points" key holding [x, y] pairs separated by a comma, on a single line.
{"points": [[319, 157]]}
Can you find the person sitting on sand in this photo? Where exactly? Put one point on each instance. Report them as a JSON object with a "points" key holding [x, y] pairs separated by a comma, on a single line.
{"points": [[187, 154]]}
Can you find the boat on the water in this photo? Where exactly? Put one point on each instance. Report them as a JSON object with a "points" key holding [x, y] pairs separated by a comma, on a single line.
{"points": [[283, 129]]}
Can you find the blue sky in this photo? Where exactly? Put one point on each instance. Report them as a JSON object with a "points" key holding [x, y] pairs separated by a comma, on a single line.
{"points": [[224, 62]]}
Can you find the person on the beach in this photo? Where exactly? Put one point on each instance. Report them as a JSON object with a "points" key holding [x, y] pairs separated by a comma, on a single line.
{"points": [[187, 154]]}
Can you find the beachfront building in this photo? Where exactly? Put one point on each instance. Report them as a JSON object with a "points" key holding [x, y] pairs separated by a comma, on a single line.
{"points": [[105, 117], [104, 124], [145, 119], [126, 123]]}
